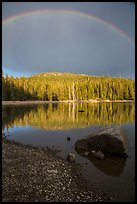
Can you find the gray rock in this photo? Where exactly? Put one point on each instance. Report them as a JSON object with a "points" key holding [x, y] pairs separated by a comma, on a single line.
{"points": [[109, 140], [71, 157], [98, 155], [64, 188], [82, 144], [52, 171], [86, 153]]}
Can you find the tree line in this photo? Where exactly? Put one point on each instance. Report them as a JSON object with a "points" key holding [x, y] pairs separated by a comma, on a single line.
{"points": [[66, 86]]}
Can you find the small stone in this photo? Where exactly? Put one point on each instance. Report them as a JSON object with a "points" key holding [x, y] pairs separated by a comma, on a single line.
{"points": [[64, 188], [68, 138], [86, 153], [71, 157], [98, 155], [53, 171]]}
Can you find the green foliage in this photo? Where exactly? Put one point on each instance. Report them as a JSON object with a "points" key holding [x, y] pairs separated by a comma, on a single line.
{"points": [[66, 86]]}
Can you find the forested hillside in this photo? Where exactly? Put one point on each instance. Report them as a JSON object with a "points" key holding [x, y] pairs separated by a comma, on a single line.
{"points": [[66, 86]]}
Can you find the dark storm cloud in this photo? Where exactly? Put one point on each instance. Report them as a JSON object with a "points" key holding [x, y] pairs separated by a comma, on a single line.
{"points": [[67, 43]]}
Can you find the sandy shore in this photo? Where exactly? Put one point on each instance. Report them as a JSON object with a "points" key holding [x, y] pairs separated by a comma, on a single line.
{"points": [[24, 102], [68, 101], [37, 174]]}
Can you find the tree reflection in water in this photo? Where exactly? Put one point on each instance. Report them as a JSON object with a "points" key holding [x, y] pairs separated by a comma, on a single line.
{"points": [[57, 116]]}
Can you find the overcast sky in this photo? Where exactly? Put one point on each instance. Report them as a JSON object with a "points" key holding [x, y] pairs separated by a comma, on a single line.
{"points": [[67, 41]]}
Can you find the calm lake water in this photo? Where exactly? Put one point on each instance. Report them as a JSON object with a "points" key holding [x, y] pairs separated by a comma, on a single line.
{"points": [[49, 125]]}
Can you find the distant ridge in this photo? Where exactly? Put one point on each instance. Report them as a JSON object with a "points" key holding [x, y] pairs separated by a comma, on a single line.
{"points": [[69, 74], [58, 74]]}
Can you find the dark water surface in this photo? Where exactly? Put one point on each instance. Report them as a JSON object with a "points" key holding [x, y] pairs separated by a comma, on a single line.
{"points": [[49, 125]]}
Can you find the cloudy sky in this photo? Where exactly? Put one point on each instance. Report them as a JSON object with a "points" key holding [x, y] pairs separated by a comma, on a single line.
{"points": [[78, 37]]}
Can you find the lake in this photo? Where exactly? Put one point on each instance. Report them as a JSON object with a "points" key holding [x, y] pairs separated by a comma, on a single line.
{"points": [[48, 125]]}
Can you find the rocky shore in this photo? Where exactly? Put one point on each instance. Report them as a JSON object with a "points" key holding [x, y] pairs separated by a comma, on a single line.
{"points": [[37, 174]]}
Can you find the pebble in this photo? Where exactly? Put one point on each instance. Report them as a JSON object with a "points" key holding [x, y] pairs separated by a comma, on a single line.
{"points": [[71, 157], [42, 177], [98, 155], [86, 153], [64, 188], [52, 171]]}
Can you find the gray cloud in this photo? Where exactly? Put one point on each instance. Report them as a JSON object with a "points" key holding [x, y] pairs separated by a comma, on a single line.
{"points": [[67, 43]]}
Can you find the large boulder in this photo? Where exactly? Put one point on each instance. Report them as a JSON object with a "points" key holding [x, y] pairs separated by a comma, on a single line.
{"points": [[109, 140]]}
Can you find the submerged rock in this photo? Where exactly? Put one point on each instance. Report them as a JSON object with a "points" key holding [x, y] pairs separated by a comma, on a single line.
{"points": [[86, 153], [71, 157], [109, 140], [98, 155]]}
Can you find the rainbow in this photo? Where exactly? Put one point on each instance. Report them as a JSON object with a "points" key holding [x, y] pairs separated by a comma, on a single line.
{"points": [[70, 12]]}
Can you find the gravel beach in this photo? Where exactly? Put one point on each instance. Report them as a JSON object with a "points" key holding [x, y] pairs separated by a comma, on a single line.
{"points": [[38, 174]]}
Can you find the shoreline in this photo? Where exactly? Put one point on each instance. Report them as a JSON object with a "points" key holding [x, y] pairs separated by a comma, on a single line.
{"points": [[67, 101], [38, 174]]}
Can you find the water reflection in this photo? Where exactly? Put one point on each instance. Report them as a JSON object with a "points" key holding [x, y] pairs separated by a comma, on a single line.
{"points": [[111, 174], [59, 116], [111, 166]]}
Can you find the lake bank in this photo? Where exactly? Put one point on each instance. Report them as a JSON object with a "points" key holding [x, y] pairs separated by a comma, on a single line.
{"points": [[38, 174], [51, 125], [68, 101]]}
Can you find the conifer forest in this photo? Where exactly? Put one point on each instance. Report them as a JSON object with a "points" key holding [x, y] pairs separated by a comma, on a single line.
{"points": [[65, 86]]}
